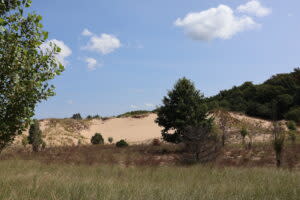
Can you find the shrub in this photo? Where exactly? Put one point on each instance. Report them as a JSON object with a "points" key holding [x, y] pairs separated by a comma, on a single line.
{"points": [[291, 125], [122, 143], [35, 136], [156, 142], [293, 114], [76, 116], [24, 141], [110, 140], [97, 139]]}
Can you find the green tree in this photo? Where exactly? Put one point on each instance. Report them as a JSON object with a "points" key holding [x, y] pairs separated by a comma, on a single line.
{"points": [[183, 106], [25, 68], [110, 140], [97, 139], [35, 136], [121, 143], [77, 116]]}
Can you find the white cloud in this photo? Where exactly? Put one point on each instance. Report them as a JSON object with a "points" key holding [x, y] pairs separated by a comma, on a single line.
{"points": [[254, 7], [214, 23], [150, 105], [86, 32], [103, 44], [92, 63], [62, 55]]}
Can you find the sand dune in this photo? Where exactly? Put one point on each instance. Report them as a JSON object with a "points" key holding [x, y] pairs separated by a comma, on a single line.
{"points": [[139, 129], [132, 129]]}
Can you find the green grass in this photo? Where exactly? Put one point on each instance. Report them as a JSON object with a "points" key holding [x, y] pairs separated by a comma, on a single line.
{"points": [[34, 180]]}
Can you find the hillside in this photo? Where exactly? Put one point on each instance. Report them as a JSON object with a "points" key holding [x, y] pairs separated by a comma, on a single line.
{"points": [[135, 129], [277, 97]]}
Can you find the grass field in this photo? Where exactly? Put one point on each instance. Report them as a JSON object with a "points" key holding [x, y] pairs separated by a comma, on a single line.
{"points": [[21, 179]]}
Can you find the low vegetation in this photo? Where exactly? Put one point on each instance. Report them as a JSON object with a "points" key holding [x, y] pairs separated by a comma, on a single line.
{"points": [[97, 139], [135, 114], [122, 143], [33, 180]]}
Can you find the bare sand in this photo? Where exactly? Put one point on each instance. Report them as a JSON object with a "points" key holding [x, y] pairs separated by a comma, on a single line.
{"points": [[134, 130]]}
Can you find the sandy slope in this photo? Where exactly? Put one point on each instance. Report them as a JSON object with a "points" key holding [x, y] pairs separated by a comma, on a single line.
{"points": [[131, 129], [134, 130]]}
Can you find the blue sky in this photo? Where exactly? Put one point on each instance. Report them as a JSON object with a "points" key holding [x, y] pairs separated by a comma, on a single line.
{"points": [[133, 51]]}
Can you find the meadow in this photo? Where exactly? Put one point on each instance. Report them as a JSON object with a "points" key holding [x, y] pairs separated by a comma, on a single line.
{"points": [[144, 172], [32, 180]]}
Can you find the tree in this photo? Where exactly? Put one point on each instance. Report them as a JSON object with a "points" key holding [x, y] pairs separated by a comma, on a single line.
{"points": [[121, 143], [77, 116], [25, 68], [244, 133], [278, 142], [97, 139], [110, 140], [35, 136], [183, 106], [225, 120], [202, 142]]}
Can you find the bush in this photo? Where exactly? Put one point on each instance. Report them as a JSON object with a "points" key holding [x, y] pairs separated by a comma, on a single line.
{"points": [[122, 143], [24, 141], [294, 114], [110, 140], [35, 136], [97, 139], [76, 116], [291, 125], [156, 142]]}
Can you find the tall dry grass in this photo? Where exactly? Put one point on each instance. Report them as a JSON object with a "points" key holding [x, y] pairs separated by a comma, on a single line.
{"points": [[33, 180]]}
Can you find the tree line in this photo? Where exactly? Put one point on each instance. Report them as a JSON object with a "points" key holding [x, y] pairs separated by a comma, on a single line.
{"points": [[258, 100]]}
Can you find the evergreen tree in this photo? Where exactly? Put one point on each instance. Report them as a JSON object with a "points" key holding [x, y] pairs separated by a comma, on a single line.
{"points": [[183, 106]]}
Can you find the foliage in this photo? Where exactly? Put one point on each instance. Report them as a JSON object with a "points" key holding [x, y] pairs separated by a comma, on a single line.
{"points": [[93, 117], [97, 139], [122, 143], [134, 113], [244, 132], [25, 68], [35, 136], [182, 107], [76, 116], [256, 100], [278, 142], [293, 114], [110, 140], [156, 142], [291, 125], [24, 141]]}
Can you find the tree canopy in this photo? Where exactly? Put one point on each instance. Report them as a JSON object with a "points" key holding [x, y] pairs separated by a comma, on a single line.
{"points": [[258, 100], [25, 68], [183, 106]]}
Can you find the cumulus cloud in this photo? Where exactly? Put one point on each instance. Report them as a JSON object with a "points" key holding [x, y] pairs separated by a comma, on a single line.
{"points": [[214, 23], [254, 7], [65, 52], [103, 44], [92, 63], [86, 32]]}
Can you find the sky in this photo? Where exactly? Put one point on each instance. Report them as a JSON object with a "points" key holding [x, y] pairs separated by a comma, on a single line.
{"points": [[124, 55]]}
